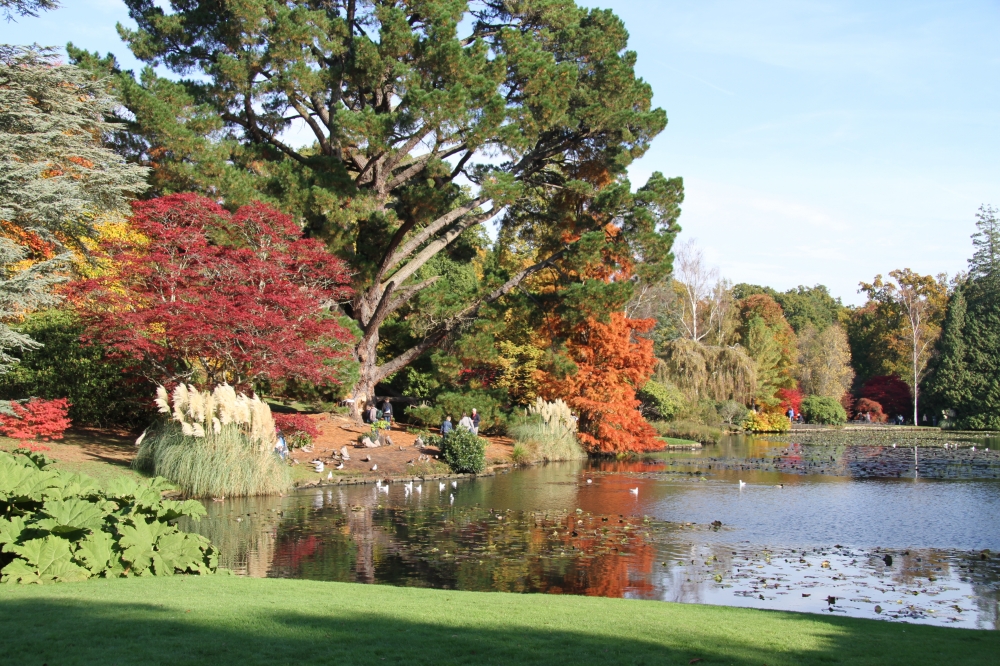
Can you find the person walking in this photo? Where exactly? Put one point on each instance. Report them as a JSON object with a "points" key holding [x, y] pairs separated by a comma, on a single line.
{"points": [[465, 422], [475, 421], [446, 426], [387, 411]]}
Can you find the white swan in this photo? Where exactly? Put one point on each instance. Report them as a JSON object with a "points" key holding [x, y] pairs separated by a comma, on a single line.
{"points": [[634, 491], [441, 487], [742, 483]]}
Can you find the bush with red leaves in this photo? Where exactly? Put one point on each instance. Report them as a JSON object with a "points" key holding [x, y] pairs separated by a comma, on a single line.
{"points": [[206, 296], [298, 429], [866, 406], [36, 419], [790, 398], [891, 392]]}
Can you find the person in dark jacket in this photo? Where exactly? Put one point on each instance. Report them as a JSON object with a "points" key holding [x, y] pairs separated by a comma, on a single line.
{"points": [[475, 421], [387, 411], [446, 427]]}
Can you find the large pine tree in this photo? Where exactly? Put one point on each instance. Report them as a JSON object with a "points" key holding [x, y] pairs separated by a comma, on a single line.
{"points": [[394, 129]]}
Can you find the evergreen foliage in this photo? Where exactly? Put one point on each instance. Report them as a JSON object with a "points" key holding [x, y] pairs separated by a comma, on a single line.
{"points": [[101, 390], [55, 177], [464, 452], [12, 8]]}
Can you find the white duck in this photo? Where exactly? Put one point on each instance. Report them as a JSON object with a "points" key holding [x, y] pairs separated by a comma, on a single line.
{"points": [[634, 491]]}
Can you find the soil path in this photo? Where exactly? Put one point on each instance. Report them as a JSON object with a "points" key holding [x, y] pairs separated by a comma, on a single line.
{"points": [[400, 457]]}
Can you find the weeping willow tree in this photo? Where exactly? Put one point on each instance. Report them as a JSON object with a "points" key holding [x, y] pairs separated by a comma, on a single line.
{"points": [[711, 372]]}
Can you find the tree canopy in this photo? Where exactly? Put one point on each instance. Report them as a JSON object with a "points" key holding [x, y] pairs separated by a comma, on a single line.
{"points": [[416, 122]]}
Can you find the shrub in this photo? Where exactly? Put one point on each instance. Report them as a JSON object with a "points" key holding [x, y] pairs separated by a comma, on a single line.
{"points": [[298, 429], [821, 409], [865, 406], [660, 401], [56, 526], [690, 430], [520, 455], [547, 432], [464, 452], [492, 419], [215, 444], [101, 391], [733, 413], [891, 392], [767, 422], [36, 418]]}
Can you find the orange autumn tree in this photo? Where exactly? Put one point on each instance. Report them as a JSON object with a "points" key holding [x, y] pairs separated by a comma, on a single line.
{"points": [[611, 362]]}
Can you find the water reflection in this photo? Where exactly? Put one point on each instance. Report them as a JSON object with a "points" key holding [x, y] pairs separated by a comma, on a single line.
{"points": [[546, 529]]}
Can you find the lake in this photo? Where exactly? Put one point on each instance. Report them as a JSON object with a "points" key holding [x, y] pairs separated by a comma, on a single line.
{"points": [[813, 529]]}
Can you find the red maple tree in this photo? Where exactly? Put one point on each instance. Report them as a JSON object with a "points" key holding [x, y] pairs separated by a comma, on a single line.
{"points": [[208, 296], [889, 391], [611, 361]]}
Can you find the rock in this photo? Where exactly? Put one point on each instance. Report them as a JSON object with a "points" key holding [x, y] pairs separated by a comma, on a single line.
{"points": [[344, 454], [368, 443], [418, 442], [388, 441]]}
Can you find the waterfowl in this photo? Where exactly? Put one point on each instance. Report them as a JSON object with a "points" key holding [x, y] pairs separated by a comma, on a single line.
{"points": [[590, 480], [742, 483], [374, 467], [419, 489], [634, 491], [441, 487], [329, 476], [454, 484], [340, 466]]}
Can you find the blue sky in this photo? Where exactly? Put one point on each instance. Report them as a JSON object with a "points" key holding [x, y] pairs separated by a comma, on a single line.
{"points": [[820, 142]]}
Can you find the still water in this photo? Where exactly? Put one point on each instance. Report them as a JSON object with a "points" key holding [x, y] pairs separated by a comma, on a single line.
{"points": [[678, 527]]}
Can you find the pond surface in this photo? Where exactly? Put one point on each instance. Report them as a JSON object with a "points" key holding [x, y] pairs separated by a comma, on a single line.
{"points": [[827, 537]]}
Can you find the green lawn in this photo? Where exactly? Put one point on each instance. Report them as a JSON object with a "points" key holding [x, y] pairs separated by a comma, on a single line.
{"points": [[229, 620]]}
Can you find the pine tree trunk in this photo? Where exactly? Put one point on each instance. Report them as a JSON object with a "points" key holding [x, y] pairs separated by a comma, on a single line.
{"points": [[367, 354]]}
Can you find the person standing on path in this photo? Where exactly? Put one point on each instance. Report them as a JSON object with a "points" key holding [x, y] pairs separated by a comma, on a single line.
{"points": [[475, 421], [446, 427], [387, 411], [465, 422]]}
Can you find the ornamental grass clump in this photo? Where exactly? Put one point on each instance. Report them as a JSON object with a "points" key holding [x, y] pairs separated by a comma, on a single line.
{"points": [[547, 432], [214, 444]]}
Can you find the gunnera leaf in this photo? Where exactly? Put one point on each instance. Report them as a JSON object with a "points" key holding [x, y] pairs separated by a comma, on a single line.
{"points": [[42, 561]]}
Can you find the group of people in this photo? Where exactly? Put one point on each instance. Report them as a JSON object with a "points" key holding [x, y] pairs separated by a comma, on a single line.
{"points": [[470, 423], [374, 414]]}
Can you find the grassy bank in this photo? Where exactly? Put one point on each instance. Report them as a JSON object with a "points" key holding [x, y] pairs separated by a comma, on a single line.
{"points": [[230, 620]]}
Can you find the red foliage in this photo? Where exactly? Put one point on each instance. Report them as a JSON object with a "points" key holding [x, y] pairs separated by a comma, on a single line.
{"points": [[866, 406], [847, 402], [298, 429], [238, 297], [891, 392], [790, 398], [611, 361], [36, 419]]}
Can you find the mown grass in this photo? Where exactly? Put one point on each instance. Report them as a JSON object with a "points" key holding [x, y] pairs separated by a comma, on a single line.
{"points": [[231, 620]]}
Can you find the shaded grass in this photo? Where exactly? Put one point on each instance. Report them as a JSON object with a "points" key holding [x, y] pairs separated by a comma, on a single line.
{"points": [[108, 455], [230, 620]]}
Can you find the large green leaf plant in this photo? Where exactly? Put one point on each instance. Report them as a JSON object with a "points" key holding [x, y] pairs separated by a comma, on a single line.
{"points": [[56, 526]]}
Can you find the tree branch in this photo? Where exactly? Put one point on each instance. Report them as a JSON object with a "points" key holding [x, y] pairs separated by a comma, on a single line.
{"points": [[448, 327], [428, 231], [435, 246]]}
